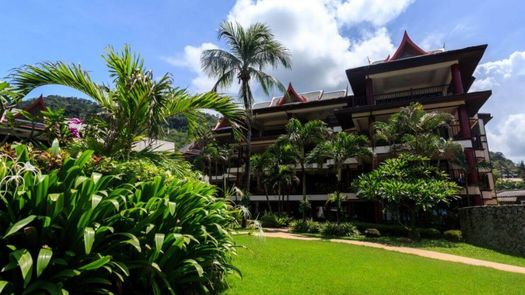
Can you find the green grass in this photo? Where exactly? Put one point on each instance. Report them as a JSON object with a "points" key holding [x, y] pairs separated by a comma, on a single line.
{"points": [[280, 266], [444, 246]]}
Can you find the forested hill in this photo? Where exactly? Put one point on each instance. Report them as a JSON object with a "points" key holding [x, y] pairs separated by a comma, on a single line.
{"points": [[503, 167], [75, 107]]}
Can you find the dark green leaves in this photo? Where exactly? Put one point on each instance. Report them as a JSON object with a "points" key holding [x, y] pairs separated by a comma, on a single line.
{"points": [[19, 225], [44, 257]]}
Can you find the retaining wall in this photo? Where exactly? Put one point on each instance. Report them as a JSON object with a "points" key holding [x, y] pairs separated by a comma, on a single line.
{"points": [[501, 228]]}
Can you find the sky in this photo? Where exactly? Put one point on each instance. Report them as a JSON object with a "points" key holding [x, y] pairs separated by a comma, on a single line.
{"points": [[324, 37]]}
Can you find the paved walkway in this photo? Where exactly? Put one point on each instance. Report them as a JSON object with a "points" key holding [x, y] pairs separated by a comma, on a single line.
{"points": [[279, 233]]}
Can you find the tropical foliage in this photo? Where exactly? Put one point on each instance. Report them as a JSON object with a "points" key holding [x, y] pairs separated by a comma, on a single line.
{"points": [[68, 231], [250, 50], [136, 105], [302, 138], [414, 130], [339, 148], [407, 182]]}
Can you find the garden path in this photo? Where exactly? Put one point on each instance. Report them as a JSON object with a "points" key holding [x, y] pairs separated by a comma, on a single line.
{"points": [[283, 233]]}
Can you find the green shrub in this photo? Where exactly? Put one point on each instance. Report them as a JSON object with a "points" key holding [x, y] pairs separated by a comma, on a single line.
{"points": [[274, 220], [430, 233], [330, 229], [385, 229], [66, 231], [372, 233], [308, 226], [453, 235]]}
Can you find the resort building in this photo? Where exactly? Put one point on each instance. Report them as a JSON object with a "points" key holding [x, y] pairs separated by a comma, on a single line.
{"points": [[440, 80]]}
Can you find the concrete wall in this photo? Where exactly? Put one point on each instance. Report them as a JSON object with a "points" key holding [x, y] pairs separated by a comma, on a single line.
{"points": [[498, 227]]}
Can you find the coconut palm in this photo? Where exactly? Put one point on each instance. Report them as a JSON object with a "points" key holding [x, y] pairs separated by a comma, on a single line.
{"points": [[136, 104], [302, 137], [339, 148], [250, 50], [414, 130]]}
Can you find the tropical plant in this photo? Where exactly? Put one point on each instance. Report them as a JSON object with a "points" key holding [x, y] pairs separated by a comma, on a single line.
{"points": [[136, 106], [304, 137], [410, 182], [339, 230], [339, 148], [55, 230], [414, 130], [250, 51], [9, 98], [261, 168], [67, 231]]}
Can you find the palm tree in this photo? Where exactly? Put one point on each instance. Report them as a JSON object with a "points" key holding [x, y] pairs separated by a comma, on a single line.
{"points": [[283, 178], [302, 137], [224, 154], [414, 130], [261, 167], [339, 148], [250, 50], [136, 105]]}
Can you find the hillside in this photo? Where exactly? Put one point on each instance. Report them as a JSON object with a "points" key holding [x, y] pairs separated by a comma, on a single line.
{"points": [[75, 107]]}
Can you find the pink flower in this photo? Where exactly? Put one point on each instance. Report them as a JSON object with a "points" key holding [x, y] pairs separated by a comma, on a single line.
{"points": [[74, 132], [75, 121]]}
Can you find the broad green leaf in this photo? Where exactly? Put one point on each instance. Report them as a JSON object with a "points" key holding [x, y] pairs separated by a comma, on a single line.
{"points": [[89, 239], [19, 225], [25, 262], [95, 200], [195, 265], [44, 256], [159, 241], [84, 158], [96, 264], [132, 241], [172, 206], [2, 285]]}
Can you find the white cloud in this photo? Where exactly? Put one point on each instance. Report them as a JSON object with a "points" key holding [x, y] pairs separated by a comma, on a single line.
{"points": [[506, 78], [376, 12], [510, 137], [312, 31], [190, 59]]}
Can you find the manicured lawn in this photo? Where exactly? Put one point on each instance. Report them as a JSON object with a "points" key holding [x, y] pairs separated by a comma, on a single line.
{"points": [[462, 249], [280, 266]]}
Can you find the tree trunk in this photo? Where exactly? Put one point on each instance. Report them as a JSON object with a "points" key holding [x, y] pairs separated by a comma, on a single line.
{"points": [[279, 205], [248, 154], [414, 233], [303, 170], [267, 198]]}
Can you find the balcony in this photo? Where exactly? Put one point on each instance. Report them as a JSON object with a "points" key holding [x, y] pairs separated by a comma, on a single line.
{"points": [[402, 96]]}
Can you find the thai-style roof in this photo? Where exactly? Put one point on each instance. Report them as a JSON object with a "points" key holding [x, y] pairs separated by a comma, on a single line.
{"points": [[407, 48], [34, 108], [291, 96]]}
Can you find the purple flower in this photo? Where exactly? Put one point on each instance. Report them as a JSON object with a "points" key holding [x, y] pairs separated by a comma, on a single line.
{"points": [[75, 121], [74, 132]]}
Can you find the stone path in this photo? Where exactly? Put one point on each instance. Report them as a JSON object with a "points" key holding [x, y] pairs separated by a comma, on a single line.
{"points": [[280, 233]]}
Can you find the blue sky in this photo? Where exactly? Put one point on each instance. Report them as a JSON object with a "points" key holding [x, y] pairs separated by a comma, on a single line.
{"points": [[324, 36]]}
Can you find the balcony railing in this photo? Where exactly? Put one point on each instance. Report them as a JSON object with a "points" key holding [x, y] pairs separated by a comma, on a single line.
{"points": [[411, 94]]}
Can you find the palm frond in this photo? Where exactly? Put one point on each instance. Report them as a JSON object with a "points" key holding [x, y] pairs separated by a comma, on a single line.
{"points": [[29, 77]]}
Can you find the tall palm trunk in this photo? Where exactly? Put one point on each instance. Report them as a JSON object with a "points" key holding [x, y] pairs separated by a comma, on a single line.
{"points": [[267, 197], [246, 93], [303, 170]]}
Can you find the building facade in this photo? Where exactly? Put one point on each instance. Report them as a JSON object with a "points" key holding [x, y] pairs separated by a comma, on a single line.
{"points": [[439, 80]]}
